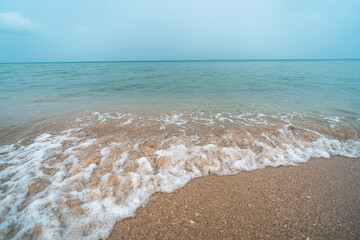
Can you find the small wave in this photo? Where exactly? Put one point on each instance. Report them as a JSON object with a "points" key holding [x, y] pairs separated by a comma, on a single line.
{"points": [[77, 183]]}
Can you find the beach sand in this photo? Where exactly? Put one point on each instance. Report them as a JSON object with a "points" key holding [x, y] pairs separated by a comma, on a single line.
{"points": [[316, 200]]}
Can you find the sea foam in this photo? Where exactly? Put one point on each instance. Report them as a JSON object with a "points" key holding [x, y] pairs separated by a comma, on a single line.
{"points": [[78, 182]]}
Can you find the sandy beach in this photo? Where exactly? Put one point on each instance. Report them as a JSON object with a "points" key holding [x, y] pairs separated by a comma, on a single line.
{"points": [[316, 200], [180, 120], [82, 176]]}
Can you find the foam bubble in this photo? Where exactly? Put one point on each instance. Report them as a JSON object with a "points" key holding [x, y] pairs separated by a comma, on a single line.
{"points": [[77, 183]]}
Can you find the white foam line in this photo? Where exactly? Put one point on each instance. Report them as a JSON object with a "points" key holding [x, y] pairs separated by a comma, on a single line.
{"points": [[177, 165]]}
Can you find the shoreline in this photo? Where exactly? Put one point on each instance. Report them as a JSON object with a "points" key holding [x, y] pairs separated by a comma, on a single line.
{"points": [[99, 168], [316, 200]]}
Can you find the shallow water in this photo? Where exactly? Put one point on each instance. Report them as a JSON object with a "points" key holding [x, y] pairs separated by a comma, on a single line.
{"points": [[73, 174], [33, 91]]}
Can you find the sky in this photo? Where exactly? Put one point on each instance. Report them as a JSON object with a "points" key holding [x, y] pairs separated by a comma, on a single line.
{"points": [[136, 30]]}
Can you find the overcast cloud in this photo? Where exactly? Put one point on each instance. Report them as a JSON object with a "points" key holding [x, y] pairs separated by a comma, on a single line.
{"points": [[15, 22], [94, 30]]}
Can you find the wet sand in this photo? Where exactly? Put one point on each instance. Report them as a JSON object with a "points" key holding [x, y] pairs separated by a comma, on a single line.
{"points": [[316, 200], [82, 175]]}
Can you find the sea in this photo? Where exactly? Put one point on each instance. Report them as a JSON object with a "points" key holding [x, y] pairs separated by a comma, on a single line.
{"points": [[85, 144]]}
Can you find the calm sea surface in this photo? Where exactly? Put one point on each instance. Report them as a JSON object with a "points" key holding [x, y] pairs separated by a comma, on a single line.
{"points": [[122, 131], [37, 90]]}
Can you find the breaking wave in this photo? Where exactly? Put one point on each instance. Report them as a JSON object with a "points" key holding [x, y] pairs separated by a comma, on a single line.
{"points": [[77, 182]]}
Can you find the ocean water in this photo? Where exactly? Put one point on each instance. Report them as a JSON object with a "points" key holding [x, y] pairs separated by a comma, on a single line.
{"points": [[33, 91], [83, 145]]}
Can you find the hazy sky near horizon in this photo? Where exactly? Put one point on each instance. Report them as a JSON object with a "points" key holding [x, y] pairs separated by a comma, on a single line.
{"points": [[110, 30]]}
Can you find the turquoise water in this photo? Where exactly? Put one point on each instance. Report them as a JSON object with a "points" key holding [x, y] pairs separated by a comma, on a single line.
{"points": [[37, 90], [146, 127]]}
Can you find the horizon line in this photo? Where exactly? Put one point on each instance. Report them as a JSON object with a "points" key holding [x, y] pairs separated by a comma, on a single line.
{"points": [[185, 60]]}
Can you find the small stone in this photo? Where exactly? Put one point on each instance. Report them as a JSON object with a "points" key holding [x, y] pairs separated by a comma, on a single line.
{"points": [[192, 222]]}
